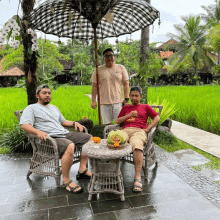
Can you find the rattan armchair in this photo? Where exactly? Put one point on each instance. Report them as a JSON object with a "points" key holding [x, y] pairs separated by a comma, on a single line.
{"points": [[149, 153], [45, 159]]}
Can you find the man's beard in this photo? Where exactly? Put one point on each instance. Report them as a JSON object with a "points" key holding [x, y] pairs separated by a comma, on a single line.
{"points": [[45, 102]]}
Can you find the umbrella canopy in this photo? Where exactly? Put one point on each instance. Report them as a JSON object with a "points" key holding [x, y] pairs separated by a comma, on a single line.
{"points": [[88, 19], [75, 18]]}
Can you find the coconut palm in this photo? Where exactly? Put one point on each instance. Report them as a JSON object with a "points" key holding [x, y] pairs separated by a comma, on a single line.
{"points": [[212, 17], [191, 46]]}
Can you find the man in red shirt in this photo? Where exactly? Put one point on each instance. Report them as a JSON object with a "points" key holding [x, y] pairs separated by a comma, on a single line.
{"points": [[134, 118]]}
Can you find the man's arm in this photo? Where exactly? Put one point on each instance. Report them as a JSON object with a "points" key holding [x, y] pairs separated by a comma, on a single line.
{"points": [[31, 130], [94, 93], [152, 124], [72, 123], [126, 90], [124, 118]]}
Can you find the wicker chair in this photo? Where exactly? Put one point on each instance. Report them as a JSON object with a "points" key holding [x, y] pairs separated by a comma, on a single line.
{"points": [[45, 159], [149, 153]]}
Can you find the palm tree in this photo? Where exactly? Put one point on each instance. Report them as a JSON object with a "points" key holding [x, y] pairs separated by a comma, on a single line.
{"points": [[191, 46], [212, 17]]}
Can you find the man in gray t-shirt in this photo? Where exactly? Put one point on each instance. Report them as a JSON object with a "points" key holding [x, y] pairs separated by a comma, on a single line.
{"points": [[44, 120]]}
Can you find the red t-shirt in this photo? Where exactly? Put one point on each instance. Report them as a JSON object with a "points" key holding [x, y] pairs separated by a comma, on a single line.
{"points": [[144, 111]]}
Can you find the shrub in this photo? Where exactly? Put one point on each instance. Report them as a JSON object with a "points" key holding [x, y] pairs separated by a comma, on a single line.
{"points": [[88, 123], [16, 140], [165, 138], [97, 131]]}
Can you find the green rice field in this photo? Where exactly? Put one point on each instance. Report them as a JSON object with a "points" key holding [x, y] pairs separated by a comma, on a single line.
{"points": [[198, 106]]}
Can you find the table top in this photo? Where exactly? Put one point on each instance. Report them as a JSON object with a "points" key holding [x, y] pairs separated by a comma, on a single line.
{"points": [[101, 151]]}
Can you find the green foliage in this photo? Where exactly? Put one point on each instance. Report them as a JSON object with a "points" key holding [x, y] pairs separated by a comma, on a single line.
{"points": [[191, 54], [165, 138], [88, 123], [167, 111], [97, 131], [16, 140]]}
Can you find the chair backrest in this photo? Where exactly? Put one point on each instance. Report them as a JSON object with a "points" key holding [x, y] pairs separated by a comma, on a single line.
{"points": [[18, 114]]}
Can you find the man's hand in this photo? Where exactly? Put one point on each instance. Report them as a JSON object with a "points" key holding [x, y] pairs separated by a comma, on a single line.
{"points": [[125, 102], [93, 105], [133, 114], [79, 127], [42, 135]]}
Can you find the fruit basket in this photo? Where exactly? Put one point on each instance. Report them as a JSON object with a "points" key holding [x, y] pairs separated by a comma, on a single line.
{"points": [[116, 147]]}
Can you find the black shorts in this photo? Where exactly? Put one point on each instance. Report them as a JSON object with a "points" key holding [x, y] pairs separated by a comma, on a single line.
{"points": [[78, 138]]}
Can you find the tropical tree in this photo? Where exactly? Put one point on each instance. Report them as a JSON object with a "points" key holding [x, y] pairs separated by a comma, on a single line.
{"points": [[81, 61], [191, 47], [212, 17]]}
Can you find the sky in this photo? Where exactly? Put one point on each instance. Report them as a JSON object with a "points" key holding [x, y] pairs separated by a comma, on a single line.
{"points": [[171, 12]]}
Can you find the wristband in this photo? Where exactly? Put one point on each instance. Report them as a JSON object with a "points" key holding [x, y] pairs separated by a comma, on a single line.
{"points": [[126, 99]]}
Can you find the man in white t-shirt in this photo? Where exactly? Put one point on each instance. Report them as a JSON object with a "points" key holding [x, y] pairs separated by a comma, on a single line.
{"points": [[44, 120], [112, 77]]}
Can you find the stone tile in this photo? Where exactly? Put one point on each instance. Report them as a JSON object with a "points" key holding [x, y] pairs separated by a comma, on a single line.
{"points": [[157, 186], [180, 194], [6, 209], [190, 157], [104, 216], [77, 198], [47, 203], [38, 215], [204, 215], [148, 199], [81, 211], [16, 197], [110, 205], [3, 198], [183, 206], [175, 217], [211, 174], [145, 212]]}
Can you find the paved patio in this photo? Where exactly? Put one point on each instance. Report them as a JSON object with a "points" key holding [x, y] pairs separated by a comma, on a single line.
{"points": [[174, 191]]}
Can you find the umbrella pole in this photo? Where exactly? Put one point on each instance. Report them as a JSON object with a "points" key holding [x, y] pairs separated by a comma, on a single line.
{"points": [[97, 71]]}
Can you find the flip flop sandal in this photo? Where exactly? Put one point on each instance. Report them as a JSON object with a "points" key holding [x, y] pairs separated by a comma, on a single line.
{"points": [[135, 190], [82, 175], [72, 189]]}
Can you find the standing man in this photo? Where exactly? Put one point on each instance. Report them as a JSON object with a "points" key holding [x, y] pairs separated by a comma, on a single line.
{"points": [[111, 77], [44, 120], [134, 118]]}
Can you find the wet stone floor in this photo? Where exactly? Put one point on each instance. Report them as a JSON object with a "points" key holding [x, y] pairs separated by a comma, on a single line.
{"points": [[173, 191]]}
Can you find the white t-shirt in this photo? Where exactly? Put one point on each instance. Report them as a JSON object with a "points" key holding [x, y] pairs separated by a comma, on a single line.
{"points": [[47, 119]]}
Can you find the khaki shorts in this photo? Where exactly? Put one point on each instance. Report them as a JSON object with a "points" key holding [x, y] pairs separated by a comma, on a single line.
{"points": [[78, 138], [137, 137], [110, 112]]}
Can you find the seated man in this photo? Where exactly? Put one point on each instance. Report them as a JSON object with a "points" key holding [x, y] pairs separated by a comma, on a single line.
{"points": [[44, 120], [134, 118]]}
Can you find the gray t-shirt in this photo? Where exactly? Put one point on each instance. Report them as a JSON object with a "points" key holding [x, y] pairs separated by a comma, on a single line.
{"points": [[44, 118]]}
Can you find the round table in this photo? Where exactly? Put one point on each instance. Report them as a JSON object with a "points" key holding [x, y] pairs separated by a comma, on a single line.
{"points": [[106, 174]]}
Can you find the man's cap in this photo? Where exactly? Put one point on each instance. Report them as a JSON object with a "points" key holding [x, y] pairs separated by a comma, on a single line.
{"points": [[107, 50], [41, 87]]}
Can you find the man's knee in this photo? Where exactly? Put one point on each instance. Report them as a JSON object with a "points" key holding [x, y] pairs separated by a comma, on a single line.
{"points": [[70, 148]]}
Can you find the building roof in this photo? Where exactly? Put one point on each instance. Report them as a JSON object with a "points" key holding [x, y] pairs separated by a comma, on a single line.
{"points": [[170, 41], [14, 71], [67, 64], [166, 54]]}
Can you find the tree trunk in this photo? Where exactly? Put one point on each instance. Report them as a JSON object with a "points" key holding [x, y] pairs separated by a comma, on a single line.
{"points": [[30, 62], [144, 55]]}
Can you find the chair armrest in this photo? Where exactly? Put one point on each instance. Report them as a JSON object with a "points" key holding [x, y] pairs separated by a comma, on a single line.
{"points": [[109, 128], [73, 128], [150, 135]]}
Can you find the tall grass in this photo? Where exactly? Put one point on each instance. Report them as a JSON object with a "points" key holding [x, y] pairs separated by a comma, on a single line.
{"points": [[198, 106]]}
